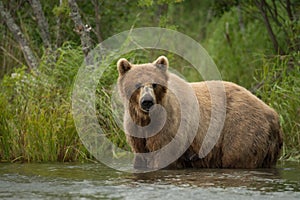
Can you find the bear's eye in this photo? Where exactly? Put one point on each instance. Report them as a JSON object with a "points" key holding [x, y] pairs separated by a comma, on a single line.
{"points": [[154, 85], [138, 85]]}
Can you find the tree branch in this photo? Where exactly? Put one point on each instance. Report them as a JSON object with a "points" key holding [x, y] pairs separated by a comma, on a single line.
{"points": [[97, 20], [261, 6], [11, 55], [289, 10], [80, 28], [42, 23], [58, 29], [276, 18], [275, 8], [275, 14], [19, 36]]}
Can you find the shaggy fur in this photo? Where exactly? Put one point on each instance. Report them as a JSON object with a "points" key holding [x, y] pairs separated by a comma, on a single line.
{"points": [[251, 136]]}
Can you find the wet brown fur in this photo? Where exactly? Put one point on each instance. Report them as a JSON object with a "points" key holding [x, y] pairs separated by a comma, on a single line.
{"points": [[251, 136]]}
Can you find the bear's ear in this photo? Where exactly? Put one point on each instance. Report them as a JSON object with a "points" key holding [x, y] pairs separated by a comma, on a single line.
{"points": [[162, 63], [123, 66]]}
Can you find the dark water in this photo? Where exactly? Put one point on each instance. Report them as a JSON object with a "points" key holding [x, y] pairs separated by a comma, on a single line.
{"points": [[95, 181]]}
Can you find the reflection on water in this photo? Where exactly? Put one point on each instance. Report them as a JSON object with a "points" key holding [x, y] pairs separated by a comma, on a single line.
{"points": [[95, 181]]}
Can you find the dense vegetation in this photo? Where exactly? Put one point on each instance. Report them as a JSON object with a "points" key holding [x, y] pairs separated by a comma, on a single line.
{"points": [[255, 43]]}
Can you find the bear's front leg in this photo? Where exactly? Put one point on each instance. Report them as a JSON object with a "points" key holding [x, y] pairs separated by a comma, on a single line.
{"points": [[155, 144], [139, 162], [138, 145]]}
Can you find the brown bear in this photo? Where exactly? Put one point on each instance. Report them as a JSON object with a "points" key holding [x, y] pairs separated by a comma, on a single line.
{"points": [[250, 136]]}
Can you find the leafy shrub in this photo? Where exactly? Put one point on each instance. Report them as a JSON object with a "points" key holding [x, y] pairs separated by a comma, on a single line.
{"points": [[280, 89], [36, 121]]}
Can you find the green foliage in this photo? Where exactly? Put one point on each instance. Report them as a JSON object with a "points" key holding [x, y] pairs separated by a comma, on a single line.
{"points": [[220, 7], [36, 121], [149, 3], [62, 9], [191, 17], [281, 89], [236, 52], [146, 3]]}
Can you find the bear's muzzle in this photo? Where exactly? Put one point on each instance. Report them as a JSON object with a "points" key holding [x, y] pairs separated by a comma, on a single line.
{"points": [[147, 102]]}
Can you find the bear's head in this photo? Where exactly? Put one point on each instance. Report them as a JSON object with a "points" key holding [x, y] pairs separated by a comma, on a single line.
{"points": [[143, 85]]}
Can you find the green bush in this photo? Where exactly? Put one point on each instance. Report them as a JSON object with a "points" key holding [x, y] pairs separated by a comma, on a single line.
{"points": [[236, 52], [280, 89], [36, 121]]}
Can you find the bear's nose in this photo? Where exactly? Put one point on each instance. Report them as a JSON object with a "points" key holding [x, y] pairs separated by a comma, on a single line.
{"points": [[147, 102]]}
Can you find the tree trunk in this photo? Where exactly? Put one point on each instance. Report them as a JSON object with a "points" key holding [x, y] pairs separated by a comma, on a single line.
{"points": [[81, 29], [97, 20], [19, 36], [42, 23]]}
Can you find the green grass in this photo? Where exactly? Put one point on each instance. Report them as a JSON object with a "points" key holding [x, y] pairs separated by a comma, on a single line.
{"points": [[36, 121], [281, 89], [237, 56]]}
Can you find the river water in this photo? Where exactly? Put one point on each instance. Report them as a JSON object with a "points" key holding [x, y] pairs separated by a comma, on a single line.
{"points": [[96, 181]]}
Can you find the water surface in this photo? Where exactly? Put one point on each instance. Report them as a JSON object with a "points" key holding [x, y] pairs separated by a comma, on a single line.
{"points": [[96, 181]]}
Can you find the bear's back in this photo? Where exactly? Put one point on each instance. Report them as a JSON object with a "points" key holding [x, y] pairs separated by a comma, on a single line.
{"points": [[251, 135]]}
